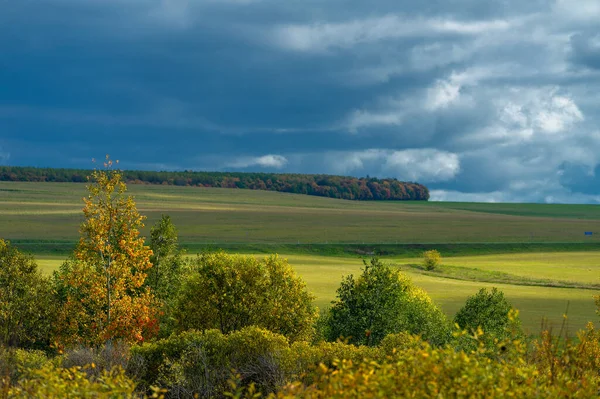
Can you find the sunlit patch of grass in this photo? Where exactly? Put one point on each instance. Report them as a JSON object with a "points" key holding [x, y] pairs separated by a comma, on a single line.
{"points": [[583, 267], [323, 275]]}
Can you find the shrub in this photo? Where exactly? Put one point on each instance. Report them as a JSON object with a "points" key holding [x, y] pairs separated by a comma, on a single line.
{"points": [[490, 311], [402, 341], [52, 382], [169, 267], [229, 292], [304, 358], [431, 259], [321, 327], [383, 301], [423, 371], [107, 357], [17, 363], [27, 306], [202, 362]]}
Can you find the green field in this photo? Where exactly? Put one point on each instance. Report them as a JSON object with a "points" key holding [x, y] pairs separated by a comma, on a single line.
{"points": [[52, 212], [38, 215], [323, 274]]}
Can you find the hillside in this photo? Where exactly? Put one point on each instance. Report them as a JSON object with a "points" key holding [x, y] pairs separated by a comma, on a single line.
{"points": [[51, 212]]}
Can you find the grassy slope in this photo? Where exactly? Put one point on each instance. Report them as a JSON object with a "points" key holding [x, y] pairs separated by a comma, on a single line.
{"points": [[572, 266], [52, 211]]}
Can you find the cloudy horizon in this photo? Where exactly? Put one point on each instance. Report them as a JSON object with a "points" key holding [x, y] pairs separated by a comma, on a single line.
{"points": [[479, 101]]}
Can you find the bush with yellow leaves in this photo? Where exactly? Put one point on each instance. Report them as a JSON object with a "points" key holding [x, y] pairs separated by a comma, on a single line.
{"points": [[406, 366]]}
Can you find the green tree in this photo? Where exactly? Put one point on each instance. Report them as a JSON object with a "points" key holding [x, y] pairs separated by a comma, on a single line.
{"points": [[167, 259], [490, 311], [229, 292], [27, 307], [431, 259], [102, 287], [169, 266], [380, 302]]}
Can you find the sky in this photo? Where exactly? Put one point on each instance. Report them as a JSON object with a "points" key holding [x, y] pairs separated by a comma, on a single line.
{"points": [[495, 100]]}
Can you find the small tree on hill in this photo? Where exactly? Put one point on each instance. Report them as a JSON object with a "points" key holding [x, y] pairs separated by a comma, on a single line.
{"points": [[229, 292], [431, 259], [380, 302], [102, 286], [490, 311]]}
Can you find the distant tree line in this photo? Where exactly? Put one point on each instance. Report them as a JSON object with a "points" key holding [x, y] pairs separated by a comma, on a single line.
{"points": [[344, 187]]}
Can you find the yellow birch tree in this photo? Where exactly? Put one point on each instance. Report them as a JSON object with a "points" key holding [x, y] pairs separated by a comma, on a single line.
{"points": [[102, 286]]}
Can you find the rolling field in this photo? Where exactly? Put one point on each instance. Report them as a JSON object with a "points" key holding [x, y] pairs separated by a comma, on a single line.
{"points": [[38, 213], [52, 212]]}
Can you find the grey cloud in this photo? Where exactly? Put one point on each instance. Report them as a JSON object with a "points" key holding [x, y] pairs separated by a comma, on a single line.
{"points": [[324, 36], [424, 165], [265, 161], [586, 49], [580, 178]]}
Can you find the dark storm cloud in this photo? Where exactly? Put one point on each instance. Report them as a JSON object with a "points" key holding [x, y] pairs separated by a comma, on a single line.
{"points": [[490, 100], [586, 49], [580, 178]]}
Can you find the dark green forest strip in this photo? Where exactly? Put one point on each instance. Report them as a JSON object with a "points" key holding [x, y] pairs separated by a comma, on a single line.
{"points": [[363, 250], [331, 186], [488, 276]]}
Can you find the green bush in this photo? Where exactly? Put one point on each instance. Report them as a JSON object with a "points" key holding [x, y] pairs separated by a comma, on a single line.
{"points": [[169, 266], [304, 357], [27, 306], [393, 343], [203, 362], [18, 363], [415, 369], [52, 382], [431, 259], [30, 374], [439, 373], [490, 312], [230, 292], [380, 302]]}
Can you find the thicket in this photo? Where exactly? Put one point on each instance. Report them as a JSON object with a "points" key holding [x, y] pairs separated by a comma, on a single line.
{"points": [[27, 304], [491, 312], [243, 327], [383, 301], [229, 292], [256, 361], [344, 187]]}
